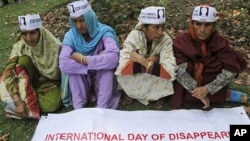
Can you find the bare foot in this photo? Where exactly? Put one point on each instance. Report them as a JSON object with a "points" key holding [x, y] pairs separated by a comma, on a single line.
{"points": [[206, 102]]}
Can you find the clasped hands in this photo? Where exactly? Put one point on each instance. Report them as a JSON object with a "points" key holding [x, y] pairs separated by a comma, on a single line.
{"points": [[21, 109], [79, 57], [82, 58], [201, 93], [145, 62]]}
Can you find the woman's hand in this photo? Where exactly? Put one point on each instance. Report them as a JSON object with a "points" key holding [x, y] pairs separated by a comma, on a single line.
{"points": [[155, 58], [201, 93], [21, 109], [79, 58], [134, 56], [145, 62], [101, 52], [206, 102]]}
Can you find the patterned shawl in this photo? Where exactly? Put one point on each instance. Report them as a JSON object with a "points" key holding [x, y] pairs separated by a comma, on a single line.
{"points": [[136, 40], [44, 55]]}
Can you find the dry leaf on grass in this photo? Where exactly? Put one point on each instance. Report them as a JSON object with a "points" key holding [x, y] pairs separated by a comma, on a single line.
{"points": [[4, 137], [238, 82]]}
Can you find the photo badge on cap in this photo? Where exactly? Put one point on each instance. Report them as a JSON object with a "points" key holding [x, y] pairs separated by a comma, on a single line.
{"points": [[153, 15], [30, 22], [204, 14], [78, 8]]}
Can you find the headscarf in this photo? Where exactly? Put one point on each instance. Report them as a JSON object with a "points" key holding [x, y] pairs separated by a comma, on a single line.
{"points": [[200, 15], [44, 55], [198, 66], [96, 31]]}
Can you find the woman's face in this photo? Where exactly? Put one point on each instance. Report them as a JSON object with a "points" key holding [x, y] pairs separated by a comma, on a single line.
{"points": [[203, 30], [31, 37], [153, 32], [80, 24]]}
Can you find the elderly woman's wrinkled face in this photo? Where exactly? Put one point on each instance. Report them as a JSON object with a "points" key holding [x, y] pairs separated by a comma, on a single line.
{"points": [[80, 24], [203, 30], [31, 37], [153, 32]]}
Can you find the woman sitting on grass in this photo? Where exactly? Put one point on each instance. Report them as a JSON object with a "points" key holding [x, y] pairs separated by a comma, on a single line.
{"points": [[147, 65], [89, 56], [207, 63], [32, 76]]}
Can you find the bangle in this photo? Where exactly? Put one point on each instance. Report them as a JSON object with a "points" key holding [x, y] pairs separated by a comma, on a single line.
{"points": [[149, 65], [82, 59]]}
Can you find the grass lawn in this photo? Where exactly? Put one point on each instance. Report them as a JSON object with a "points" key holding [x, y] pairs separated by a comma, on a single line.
{"points": [[23, 130]]}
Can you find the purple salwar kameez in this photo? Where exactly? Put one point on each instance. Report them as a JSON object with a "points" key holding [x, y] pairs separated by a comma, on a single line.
{"points": [[99, 72]]}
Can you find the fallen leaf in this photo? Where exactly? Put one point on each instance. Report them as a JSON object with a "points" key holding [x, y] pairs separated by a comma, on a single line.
{"points": [[239, 82], [236, 13]]}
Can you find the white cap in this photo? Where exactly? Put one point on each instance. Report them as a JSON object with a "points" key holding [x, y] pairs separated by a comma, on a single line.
{"points": [[29, 22], [204, 14], [77, 8], [153, 15]]}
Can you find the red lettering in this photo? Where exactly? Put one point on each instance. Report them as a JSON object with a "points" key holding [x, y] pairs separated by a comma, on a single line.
{"points": [[210, 135], [155, 137], [131, 137], [70, 136], [114, 137], [203, 134], [138, 137], [199, 135], [120, 138], [182, 135], [189, 136], [217, 135], [171, 136], [49, 137], [144, 136], [100, 136], [62, 136], [90, 135], [225, 134], [196, 135], [84, 137], [162, 136]]}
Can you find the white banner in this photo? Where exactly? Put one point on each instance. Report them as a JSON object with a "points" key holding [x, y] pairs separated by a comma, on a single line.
{"points": [[94, 124]]}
